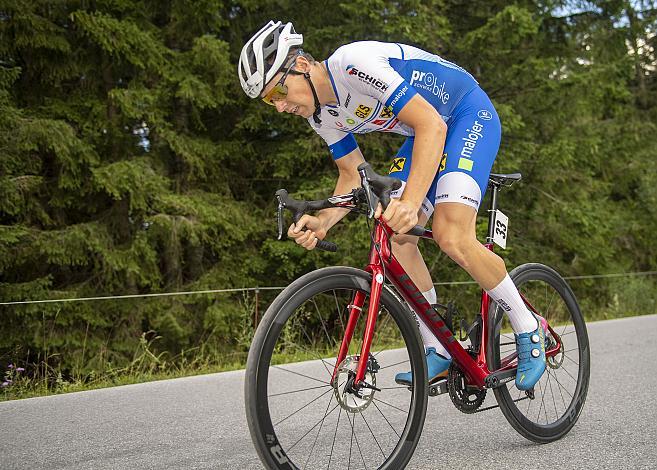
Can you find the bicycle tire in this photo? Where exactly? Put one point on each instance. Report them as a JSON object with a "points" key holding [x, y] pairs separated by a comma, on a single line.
{"points": [[535, 274], [259, 363]]}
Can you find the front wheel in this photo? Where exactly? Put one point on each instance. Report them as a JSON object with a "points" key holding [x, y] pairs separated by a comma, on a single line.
{"points": [[301, 413], [560, 393]]}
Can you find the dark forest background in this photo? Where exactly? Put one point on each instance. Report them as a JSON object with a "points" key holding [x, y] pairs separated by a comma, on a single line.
{"points": [[131, 162]]}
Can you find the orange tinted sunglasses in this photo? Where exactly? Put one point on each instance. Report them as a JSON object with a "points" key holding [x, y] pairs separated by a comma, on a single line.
{"points": [[279, 91]]}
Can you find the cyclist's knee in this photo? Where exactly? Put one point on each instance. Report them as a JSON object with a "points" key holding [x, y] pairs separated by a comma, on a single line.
{"points": [[455, 244]]}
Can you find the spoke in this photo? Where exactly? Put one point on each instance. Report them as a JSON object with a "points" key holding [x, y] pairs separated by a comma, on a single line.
{"points": [[569, 374], [327, 364], [547, 310], [395, 364], [302, 375], [324, 363], [576, 363], [544, 405], [554, 401], [540, 387], [391, 406], [304, 406], [528, 406], [380, 329], [402, 387], [337, 423], [569, 350], [297, 391], [351, 441], [353, 431], [384, 417], [375, 439], [314, 426], [339, 311], [562, 387], [326, 413], [554, 376], [321, 319]]}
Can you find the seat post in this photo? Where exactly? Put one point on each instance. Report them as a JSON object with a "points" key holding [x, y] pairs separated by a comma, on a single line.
{"points": [[491, 213]]}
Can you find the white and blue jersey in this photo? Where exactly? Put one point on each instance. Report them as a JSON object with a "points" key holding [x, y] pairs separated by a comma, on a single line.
{"points": [[373, 81]]}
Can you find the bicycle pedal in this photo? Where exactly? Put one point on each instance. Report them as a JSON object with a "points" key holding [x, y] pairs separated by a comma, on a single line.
{"points": [[438, 388]]}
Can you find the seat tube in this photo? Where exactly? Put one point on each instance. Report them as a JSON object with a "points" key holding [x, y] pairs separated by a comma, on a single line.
{"points": [[355, 309], [491, 213]]}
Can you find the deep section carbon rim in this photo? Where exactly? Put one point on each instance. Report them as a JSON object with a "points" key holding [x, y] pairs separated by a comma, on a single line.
{"points": [[313, 421], [560, 393]]}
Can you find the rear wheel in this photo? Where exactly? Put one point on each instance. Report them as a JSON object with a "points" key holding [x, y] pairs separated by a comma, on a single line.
{"points": [[560, 393], [298, 416]]}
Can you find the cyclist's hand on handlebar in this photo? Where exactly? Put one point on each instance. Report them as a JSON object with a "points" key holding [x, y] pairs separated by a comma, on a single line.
{"points": [[401, 216], [307, 238]]}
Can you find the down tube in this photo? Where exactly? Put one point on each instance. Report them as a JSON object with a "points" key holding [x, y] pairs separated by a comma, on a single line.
{"points": [[474, 372]]}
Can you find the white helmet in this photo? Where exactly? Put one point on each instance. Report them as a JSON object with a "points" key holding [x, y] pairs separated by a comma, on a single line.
{"points": [[273, 40]]}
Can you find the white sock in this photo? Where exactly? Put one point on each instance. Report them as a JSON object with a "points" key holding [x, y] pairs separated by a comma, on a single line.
{"points": [[507, 297], [429, 340]]}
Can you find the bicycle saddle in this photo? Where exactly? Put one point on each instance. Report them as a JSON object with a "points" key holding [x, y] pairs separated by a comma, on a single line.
{"points": [[504, 180]]}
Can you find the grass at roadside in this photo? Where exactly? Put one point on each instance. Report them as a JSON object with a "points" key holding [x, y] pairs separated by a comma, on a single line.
{"points": [[630, 297]]}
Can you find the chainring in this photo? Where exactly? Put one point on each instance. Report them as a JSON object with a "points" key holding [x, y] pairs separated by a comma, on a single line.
{"points": [[466, 399]]}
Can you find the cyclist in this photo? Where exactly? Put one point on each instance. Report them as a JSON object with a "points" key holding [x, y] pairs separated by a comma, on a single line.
{"points": [[453, 135]]}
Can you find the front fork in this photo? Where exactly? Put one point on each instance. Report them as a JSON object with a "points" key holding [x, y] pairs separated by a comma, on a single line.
{"points": [[355, 310]]}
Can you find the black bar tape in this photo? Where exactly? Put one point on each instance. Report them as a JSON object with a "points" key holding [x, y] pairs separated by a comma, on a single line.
{"points": [[327, 246]]}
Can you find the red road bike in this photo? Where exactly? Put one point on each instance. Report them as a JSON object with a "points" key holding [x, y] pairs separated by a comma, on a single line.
{"points": [[320, 389]]}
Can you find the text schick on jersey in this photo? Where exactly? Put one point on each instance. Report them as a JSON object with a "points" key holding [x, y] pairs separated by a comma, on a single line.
{"points": [[363, 77]]}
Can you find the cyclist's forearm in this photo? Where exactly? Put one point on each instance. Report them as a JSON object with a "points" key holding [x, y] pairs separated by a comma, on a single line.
{"points": [[428, 143], [345, 183]]}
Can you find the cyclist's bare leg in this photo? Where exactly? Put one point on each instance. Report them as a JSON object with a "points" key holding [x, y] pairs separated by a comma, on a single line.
{"points": [[454, 231], [408, 254]]}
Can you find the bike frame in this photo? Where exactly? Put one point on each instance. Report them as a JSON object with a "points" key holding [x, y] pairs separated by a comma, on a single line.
{"points": [[383, 265]]}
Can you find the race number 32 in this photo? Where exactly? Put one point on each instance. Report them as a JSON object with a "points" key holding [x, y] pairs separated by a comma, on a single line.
{"points": [[501, 228]]}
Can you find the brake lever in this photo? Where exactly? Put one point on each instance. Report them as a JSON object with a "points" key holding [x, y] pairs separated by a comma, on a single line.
{"points": [[280, 216], [372, 199]]}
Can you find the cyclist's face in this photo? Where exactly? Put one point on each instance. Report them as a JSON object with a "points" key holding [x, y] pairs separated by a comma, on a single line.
{"points": [[299, 99]]}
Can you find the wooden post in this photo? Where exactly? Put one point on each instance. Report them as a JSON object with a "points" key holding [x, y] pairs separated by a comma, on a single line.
{"points": [[255, 322]]}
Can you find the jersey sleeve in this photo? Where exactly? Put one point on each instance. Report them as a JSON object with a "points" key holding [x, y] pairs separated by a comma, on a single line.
{"points": [[367, 69], [340, 143]]}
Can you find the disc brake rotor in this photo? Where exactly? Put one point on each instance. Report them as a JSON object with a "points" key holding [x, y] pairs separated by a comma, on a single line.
{"points": [[349, 400], [554, 362]]}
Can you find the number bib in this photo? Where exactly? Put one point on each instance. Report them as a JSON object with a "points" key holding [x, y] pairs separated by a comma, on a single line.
{"points": [[501, 229]]}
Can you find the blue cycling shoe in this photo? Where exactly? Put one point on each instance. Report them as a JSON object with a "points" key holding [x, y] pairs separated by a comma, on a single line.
{"points": [[436, 365], [531, 356]]}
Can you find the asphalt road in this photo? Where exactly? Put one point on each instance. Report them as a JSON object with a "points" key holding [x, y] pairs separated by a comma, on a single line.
{"points": [[198, 422]]}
